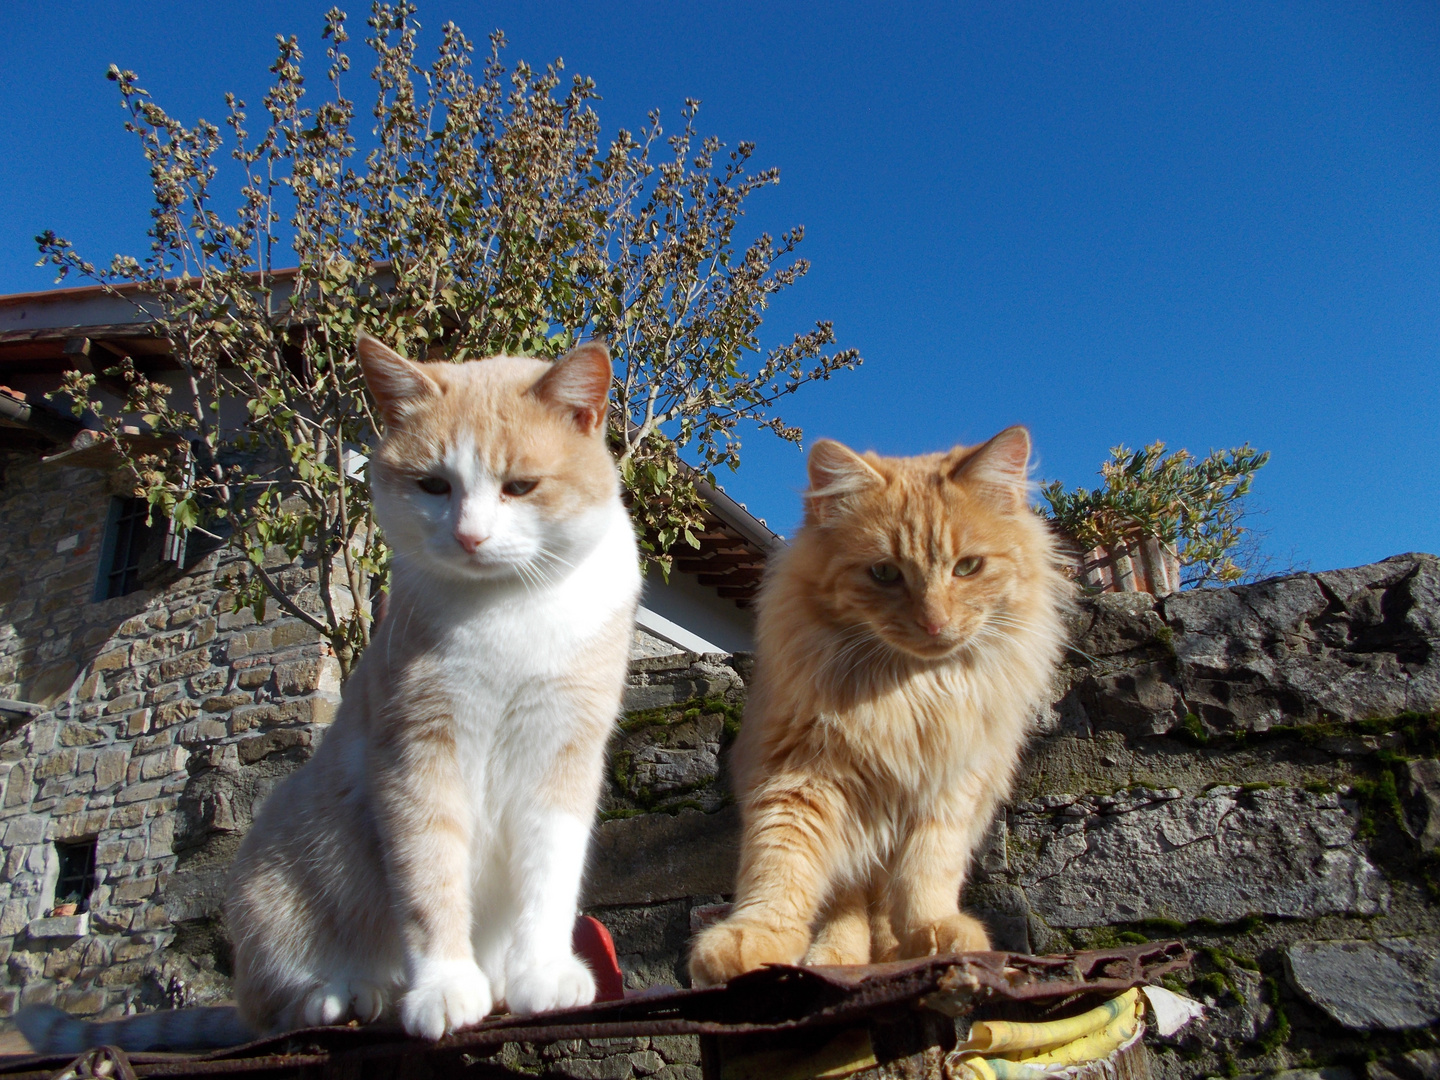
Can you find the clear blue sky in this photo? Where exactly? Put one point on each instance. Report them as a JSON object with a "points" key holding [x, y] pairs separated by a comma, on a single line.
{"points": [[1114, 223]]}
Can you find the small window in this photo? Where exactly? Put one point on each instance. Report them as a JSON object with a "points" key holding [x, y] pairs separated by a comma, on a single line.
{"points": [[76, 880], [132, 549]]}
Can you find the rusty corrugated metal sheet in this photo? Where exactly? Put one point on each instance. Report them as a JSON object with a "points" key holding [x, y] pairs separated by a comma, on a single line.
{"points": [[773, 1001]]}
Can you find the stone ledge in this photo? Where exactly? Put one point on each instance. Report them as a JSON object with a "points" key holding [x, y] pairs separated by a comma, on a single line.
{"points": [[59, 926]]}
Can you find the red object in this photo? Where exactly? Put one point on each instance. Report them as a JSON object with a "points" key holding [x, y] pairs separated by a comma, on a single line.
{"points": [[593, 944]]}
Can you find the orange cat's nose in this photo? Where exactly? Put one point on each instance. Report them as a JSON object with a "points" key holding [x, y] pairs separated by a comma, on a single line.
{"points": [[469, 541], [931, 628]]}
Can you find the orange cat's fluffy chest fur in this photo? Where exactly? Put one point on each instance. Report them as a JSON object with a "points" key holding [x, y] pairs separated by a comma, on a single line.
{"points": [[903, 645]]}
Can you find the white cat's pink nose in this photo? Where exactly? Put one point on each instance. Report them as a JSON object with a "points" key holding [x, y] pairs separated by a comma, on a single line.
{"points": [[470, 541]]}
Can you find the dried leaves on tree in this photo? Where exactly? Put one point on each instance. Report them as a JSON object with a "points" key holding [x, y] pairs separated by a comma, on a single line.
{"points": [[482, 214]]}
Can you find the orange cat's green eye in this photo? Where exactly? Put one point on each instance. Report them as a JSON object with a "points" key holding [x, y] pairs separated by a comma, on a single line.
{"points": [[885, 573], [967, 566], [516, 488], [434, 485]]}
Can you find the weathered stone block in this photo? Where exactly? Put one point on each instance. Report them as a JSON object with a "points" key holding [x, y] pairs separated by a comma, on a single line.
{"points": [[615, 1067], [291, 632], [1221, 855], [253, 678], [174, 712], [81, 1002], [137, 793], [677, 1049], [189, 613], [203, 731], [113, 660], [133, 889], [1346, 644], [652, 857], [209, 681], [19, 789], [1385, 985], [668, 762], [59, 926], [24, 830], [1416, 1065], [164, 763], [299, 676], [14, 914], [126, 817], [124, 703], [79, 735], [262, 746], [79, 825], [190, 663], [110, 768], [1424, 793], [60, 763], [226, 702]]}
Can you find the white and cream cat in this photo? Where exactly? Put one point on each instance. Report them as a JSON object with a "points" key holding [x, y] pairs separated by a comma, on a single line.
{"points": [[426, 862]]}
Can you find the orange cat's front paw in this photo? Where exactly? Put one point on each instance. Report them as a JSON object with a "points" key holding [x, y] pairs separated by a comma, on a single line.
{"points": [[953, 934], [736, 946]]}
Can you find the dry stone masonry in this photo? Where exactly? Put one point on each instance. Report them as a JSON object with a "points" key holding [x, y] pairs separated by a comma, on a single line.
{"points": [[1253, 769], [142, 699]]}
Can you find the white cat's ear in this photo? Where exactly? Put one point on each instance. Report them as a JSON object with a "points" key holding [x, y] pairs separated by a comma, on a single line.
{"points": [[579, 384], [836, 472], [395, 381], [1001, 465]]}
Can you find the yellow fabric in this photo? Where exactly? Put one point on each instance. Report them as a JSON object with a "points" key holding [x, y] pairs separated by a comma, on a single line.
{"points": [[996, 1037], [1029, 1049], [1000, 1069], [1092, 1047]]}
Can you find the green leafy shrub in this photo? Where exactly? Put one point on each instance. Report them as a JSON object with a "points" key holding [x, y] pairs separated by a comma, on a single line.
{"points": [[1193, 507]]}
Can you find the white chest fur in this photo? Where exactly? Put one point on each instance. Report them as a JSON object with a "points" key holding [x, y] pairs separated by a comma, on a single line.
{"points": [[507, 654]]}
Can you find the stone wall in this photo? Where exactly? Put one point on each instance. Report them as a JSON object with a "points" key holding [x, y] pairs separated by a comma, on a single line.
{"points": [[1251, 769], [142, 696]]}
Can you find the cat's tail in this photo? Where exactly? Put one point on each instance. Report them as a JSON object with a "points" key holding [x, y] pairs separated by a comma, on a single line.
{"points": [[51, 1031]]}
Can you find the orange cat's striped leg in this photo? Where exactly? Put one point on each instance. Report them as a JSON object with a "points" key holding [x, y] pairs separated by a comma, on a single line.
{"points": [[791, 843], [884, 946], [425, 828], [925, 893], [844, 934]]}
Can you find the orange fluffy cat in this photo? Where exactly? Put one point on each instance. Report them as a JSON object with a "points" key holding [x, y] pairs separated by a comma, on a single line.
{"points": [[905, 642]]}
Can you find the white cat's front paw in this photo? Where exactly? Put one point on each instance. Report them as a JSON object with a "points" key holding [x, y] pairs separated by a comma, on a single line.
{"points": [[557, 984], [445, 995], [341, 999]]}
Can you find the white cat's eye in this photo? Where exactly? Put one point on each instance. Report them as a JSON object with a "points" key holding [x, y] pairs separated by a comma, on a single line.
{"points": [[885, 573], [434, 485], [968, 565], [516, 488]]}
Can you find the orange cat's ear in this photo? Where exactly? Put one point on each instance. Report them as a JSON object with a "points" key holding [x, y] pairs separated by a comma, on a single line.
{"points": [[836, 472], [395, 381], [579, 384], [1001, 465]]}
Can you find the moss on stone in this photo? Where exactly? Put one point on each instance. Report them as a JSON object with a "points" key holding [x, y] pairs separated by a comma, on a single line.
{"points": [[1192, 730], [1278, 1034]]}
